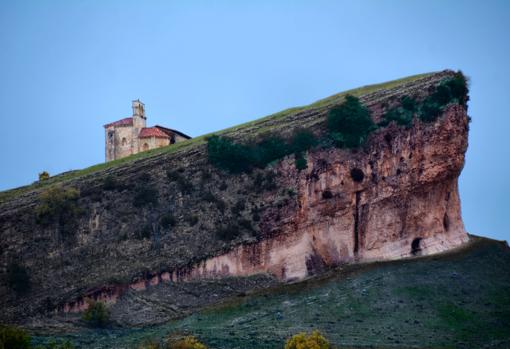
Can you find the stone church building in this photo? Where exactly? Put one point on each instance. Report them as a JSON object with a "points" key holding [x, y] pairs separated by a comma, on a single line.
{"points": [[130, 135]]}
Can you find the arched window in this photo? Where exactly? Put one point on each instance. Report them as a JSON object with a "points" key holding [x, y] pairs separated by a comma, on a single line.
{"points": [[145, 146], [124, 141]]}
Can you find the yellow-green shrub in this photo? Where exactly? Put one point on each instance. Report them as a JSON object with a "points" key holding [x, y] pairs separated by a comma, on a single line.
{"points": [[315, 340], [188, 342], [44, 175], [13, 337]]}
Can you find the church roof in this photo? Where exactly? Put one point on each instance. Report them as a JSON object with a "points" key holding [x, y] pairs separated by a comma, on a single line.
{"points": [[152, 132], [121, 122], [169, 131]]}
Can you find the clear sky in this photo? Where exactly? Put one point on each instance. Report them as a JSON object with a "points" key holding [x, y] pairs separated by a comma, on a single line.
{"points": [[68, 67]]}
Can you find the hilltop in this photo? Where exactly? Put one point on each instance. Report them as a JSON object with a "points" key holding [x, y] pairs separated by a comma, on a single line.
{"points": [[358, 178]]}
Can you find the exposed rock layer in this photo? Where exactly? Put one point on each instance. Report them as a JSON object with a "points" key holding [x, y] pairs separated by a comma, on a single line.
{"points": [[397, 197]]}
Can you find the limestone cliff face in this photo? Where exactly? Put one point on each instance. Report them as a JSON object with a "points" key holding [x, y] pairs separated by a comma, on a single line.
{"points": [[396, 197], [405, 204]]}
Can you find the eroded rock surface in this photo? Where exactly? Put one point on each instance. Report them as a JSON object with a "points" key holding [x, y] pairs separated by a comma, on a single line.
{"points": [[396, 197]]}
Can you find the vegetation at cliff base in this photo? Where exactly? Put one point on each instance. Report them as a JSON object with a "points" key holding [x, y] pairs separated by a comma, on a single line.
{"points": [[188, 342], [13, 338], [455, 300], [314, 340], [96, 314]]}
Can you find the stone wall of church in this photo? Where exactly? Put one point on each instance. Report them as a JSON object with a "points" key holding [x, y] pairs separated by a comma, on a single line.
{"points": [[121, 144], [124, 141], [179, 138], [152, 143]]}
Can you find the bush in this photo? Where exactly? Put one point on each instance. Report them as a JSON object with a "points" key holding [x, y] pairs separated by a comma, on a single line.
{"points": [[458, 86], [225, 154], [303, 341], [43, 176], [229, 232], [167, 221], [238, 207], [221, 205], [13, 337], [271, 148], [18, 278], [302, 140], [237, 158], [145, 232], [409, 103], [400, 115], [150, 345], [208, 196], [350, 123], [255, 215], [300, 162], [97, 314], [184, 185], [188, 342], [265, 181], [429, 110], [110, 183], [145, 195], [59, 205], [246, 224], [450, 90], [192, 220]]}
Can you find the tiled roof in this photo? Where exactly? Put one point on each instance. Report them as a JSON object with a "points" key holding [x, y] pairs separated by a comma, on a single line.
{"points": [[121, 122], [170, 131], [152, 132]]}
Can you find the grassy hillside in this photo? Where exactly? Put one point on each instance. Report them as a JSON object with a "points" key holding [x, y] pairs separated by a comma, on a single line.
{"points": [[455, 300], [252, 128]]}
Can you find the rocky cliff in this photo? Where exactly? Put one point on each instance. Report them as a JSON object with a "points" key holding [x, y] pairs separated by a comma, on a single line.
{"points": [[145, 235]]}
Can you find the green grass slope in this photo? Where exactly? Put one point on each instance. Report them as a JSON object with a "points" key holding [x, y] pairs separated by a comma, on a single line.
{"points": [[456, 300]]}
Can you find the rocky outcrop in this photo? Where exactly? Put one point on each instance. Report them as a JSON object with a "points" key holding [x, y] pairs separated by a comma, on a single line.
{"points": [[396, 197]]}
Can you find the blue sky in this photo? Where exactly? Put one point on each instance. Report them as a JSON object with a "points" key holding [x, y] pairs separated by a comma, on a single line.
{"points": [[68, 67]]}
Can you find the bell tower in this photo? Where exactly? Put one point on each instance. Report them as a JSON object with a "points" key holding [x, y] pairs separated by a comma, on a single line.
{"points": [[139, 118], [139, 122]]}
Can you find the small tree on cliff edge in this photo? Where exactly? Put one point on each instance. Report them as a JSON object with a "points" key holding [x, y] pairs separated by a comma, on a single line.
{"points": [[350, 123]]}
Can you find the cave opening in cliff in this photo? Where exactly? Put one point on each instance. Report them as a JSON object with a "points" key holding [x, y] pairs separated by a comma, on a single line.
{"points": [[415, 246], [357, 175], [446, 222]]}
